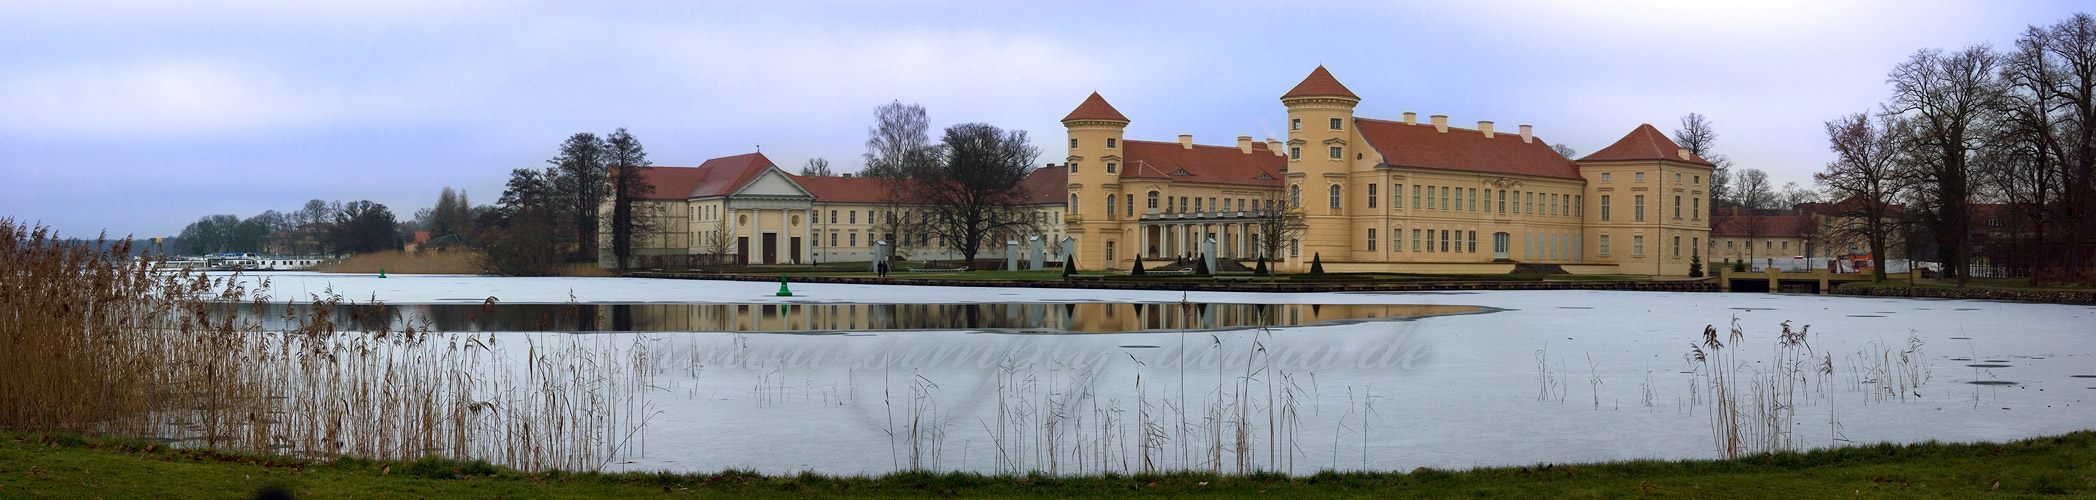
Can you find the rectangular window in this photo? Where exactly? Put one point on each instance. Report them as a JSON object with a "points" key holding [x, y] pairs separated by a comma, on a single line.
{"points": [[1295, 124], [1444, 240], [1677, 208], [1488, 200], [1371, 197], [1502, 201], [1677, 177], [1110, 143], [1553, 204], [1459, 199], [833, 220], [1335, 124], [1444, 197], [1637, 246], [1579, 205], [1529, 201], [1638, 207], [1110, 168], [1473, 200], [1073, 143], [833, 237], [1528, 245], [1397, 196], [1473, 242], [1197, 204], [1604, 245], [1371, 239], [1415, 240], [1604, 208], [1169, 204], [1295, 153], [855, 238], [1641, 177], [1695, 211], [1430, 241], [1335, 152], [1073, 167], [1786, 245], [1183, 205], [1697, 179], [855, 216], [1677, 244], [1415, 197], [1604, 177]]}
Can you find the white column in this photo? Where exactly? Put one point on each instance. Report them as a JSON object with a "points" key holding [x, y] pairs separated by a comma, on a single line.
{"points": [[808, 229]]}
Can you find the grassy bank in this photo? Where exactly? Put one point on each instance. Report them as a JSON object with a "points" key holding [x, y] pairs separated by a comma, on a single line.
{"points": [[70, 466], [446, 262]]}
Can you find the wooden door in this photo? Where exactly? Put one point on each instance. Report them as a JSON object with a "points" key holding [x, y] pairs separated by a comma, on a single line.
{"points": [[742, 250], [793, 249], [771, 248]]}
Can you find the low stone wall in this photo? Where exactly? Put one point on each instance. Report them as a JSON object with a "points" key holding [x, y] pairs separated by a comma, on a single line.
{"points": [[2046, 296], [1284, 287]]}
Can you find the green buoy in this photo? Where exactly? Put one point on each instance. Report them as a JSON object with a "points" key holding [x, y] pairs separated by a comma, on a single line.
{"points": [[783, 292], [382, 272]]}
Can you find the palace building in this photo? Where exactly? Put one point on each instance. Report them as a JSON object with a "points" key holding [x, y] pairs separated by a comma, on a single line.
{"points": [[1368, 195], [1357, 194]]}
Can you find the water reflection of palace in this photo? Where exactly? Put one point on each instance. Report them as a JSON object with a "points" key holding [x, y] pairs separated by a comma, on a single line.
{"points": [[1044, 317], [1074, 317]]}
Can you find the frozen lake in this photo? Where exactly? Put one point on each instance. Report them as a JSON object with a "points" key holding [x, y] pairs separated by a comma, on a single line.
{"points": [[1446, 380]]}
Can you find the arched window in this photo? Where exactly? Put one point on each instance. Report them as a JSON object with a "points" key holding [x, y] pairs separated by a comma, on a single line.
{"points": [[1153, 200], [1335, 195], [1073, 203], [1295, 196]]}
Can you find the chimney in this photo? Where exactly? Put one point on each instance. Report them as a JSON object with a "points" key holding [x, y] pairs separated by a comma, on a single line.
{"points": [[848, 175], [1527, 134], [1440, 123], [1684, 154], [1486, 127], [1244, 143], [1273, 146], [1411, 118], [1186, 141]]}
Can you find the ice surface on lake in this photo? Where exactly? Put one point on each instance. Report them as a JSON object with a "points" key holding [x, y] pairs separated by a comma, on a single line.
{"points": [[1445, 392]]}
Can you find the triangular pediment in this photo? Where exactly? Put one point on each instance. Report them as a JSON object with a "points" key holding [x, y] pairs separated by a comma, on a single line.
{"points": [[773, 183]]}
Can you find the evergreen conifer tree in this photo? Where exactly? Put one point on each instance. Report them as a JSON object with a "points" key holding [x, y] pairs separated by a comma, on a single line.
{"points": [[1695, 264]]}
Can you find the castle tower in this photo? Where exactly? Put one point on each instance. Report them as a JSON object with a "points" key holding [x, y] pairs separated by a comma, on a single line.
{"points": [[1095, 180], [1321, 144]]}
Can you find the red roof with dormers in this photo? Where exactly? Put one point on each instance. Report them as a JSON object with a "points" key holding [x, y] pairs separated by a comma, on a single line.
{"points": [[1644, 143], [1209, 164], [1320, 83], [715, 177], [1095, 108], [1423, 146]]}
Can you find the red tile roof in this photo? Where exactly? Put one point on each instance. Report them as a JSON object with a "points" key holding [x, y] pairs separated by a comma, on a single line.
{"points": [[715, 177], [847, 189], [1046, 185], [1209, 164], [1095, 108], [1771, 226], [1424, 146], [1320, 83], [1043, 185], [1643, 143]]}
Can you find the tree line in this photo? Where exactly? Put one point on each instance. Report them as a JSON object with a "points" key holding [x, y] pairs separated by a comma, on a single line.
{"points": [[2011, 127]]}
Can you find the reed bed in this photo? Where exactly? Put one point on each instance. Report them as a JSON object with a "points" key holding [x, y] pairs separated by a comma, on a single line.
{"points": [[94, 343]]}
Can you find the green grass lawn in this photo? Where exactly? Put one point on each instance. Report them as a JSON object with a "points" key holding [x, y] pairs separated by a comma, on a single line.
{"points": [[2017, 284], [66, 466]]}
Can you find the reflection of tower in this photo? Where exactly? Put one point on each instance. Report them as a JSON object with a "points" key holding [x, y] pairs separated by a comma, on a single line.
{"points": [[1320, 129], [1093, 217]]}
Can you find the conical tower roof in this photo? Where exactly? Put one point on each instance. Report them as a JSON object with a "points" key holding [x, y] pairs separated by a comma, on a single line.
{"points": [[1320, 83], [1644, 143], [1095, 108]]}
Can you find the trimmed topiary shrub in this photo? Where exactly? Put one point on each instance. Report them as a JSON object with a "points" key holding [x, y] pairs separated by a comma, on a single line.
{"points": [[1138, 269], [1201, 267], [1261, 269], [1317, 263]]}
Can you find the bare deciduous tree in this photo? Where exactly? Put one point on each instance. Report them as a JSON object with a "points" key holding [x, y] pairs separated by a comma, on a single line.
{"points": [[1948, 98], [816, 167], [1277, 226], [1564, 150], [973, 196], [1698, 136], [1754, 190], [1865, 177]]}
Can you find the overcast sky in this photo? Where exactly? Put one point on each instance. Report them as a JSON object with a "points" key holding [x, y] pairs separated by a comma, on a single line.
{"points": [[140, 118]]}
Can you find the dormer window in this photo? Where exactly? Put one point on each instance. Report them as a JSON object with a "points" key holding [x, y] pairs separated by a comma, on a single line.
{"points": [[1110, 144], [1295, 124], [1335, 124]]}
